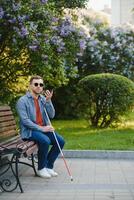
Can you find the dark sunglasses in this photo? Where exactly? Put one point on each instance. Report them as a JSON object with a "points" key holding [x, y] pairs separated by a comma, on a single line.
{"points": [[38, 84]]}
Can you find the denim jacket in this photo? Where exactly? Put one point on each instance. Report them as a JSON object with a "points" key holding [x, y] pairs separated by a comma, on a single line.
{"points": [[27, 113]]}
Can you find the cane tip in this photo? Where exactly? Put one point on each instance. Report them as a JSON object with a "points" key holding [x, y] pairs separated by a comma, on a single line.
{"points": [[71, 178]]}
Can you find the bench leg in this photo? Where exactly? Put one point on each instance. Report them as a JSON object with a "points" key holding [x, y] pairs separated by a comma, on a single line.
{"points": [[6, 183], [17, 173]]}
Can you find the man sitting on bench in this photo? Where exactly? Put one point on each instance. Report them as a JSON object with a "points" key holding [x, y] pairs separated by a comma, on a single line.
{"points": [[35, 127]]}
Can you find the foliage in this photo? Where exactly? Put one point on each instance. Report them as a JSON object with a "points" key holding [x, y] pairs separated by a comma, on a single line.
{"points": [[107, 49], [110, 50], [66, 98], [36, 38], [106, 97], [70, 4]]}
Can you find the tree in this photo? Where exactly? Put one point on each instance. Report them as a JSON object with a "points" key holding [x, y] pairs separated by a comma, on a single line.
{"points": [[36, 38]]}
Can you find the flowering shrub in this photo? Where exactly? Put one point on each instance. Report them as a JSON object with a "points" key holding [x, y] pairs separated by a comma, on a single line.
{"points": [[110, 50]]}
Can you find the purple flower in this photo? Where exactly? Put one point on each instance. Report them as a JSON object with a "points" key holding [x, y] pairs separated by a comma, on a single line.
{"points": [[55, 40], [55, 19], [38, 34], [58, 42], [55, 28], [24, 32], [65, 31], [21, 18], [1, 12], [44, 1], [12, 20], [66, 28], [34, 47], [46, 41], [82, 44], [81, 33], [67, 21], [16, 6], [94, 42]]}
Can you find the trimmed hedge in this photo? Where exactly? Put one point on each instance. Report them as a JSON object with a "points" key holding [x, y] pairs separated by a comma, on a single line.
{"points": [[105, 98]]}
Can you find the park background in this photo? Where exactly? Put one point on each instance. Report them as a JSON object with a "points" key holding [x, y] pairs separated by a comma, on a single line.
{"points": [[64, 42]]}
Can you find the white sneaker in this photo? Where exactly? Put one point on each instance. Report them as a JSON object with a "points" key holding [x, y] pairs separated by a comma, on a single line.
{"points": [[43, 173], [52, 172]]}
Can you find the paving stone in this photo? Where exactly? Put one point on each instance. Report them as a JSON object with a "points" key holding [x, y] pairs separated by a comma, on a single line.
{"points": [[94, 179]]}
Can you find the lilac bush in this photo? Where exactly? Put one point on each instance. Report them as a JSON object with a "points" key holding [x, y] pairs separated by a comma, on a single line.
{"points": [[111, 50], [36, 38]]}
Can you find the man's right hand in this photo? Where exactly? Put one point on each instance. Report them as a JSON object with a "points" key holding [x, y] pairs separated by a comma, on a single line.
{"points": [[47, 128]]}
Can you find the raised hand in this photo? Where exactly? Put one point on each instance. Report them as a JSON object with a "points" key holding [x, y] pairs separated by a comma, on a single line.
{"points": [[48, 94]]}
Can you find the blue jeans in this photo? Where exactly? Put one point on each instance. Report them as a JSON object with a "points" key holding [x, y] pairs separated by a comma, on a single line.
{"points": [[46, 157]]}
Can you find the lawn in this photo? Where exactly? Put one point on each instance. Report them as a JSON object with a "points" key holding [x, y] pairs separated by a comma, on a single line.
{"points": [[78, 135]]}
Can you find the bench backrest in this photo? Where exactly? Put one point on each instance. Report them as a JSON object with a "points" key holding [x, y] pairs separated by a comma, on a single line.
{"points": [[7, 123]]}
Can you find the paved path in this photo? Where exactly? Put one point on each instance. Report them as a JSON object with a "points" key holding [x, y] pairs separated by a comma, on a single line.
{"points": [[94, 179]]}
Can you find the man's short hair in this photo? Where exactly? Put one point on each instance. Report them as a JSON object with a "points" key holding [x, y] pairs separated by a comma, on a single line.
{"points": [[34, 77]]}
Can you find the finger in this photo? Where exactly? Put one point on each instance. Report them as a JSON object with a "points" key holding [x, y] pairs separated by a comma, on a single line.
{"points": [[47, 95], [48, 92], [51, 92]]}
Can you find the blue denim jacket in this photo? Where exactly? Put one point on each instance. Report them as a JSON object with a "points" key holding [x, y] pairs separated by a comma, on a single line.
{"points": [[27, 113]]}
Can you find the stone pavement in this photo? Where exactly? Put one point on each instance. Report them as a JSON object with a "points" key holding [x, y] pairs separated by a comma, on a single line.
{"points": [[94, 179]]}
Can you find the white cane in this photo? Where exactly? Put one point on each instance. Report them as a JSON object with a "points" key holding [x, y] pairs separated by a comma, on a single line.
{"points": [[62, 155]]}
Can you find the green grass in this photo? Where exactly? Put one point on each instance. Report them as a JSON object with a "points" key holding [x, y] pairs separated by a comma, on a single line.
{"points": [[78, 135]]}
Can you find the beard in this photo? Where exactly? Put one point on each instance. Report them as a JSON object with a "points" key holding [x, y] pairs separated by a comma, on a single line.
{"points": [[37, 92]]}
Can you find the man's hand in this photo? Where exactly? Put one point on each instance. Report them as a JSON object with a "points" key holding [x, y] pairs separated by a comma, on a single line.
{"points": [[47, 128], [48, 95]]}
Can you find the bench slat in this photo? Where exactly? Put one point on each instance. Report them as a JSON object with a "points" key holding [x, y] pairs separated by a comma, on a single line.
{"points": [[8, 123], [6, 113], [6, 118], [31, 149], [25, 146], [7, 134], [6, 107], [15, 138], [8, 128]]}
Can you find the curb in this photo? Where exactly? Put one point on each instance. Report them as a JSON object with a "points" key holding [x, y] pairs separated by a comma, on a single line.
{"points": [[102, 154]]}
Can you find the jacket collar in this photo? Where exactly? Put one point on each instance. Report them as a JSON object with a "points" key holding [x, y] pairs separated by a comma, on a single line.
{"points": [[28, 94]]}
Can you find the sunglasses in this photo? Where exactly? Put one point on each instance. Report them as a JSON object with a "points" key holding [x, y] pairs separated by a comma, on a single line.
{"points": [[38, 84]]}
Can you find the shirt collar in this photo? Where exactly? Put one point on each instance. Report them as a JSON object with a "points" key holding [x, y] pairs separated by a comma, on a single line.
{"points": [[42, 98], [30, 95]]}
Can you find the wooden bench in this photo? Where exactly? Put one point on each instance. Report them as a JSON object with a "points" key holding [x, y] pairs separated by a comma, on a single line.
{"points": [[12, 150]]}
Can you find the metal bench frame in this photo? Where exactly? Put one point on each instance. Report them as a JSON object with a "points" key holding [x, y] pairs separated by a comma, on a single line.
{"points": [[13, 149]]}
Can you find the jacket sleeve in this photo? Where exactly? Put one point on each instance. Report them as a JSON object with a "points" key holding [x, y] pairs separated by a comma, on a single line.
{"points": [[50, 109], [23, 114]]}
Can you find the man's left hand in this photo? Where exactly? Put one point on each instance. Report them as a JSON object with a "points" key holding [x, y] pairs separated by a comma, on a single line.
{"points": [[48, 95]]}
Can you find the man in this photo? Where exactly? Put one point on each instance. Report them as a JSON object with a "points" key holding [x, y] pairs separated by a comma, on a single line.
{"points": [[34, 125]]}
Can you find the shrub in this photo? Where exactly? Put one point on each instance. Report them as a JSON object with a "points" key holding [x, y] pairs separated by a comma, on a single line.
{"points": [[106, 97], [110, 50]]}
